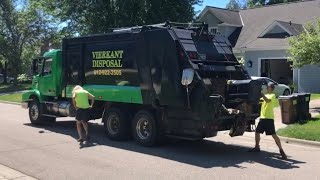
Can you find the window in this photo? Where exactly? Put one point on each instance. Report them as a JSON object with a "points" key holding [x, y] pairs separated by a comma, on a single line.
{"points": [[47, 67], [213, 30]]}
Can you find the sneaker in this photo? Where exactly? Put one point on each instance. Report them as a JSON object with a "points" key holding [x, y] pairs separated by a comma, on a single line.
{"points": [[80, 140], [255, 149], [283, 155]]}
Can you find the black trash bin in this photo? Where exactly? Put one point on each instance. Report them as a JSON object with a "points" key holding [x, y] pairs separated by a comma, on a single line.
{"points": [[300, 106], [303, 100], [306, 113]]}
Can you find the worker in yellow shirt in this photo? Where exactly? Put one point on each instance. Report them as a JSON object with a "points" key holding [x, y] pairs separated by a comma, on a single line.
{"points": [[266, 123], [80, 99]]}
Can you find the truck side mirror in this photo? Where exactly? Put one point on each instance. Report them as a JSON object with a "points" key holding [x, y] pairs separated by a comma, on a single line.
{"points": [[35, 66]]}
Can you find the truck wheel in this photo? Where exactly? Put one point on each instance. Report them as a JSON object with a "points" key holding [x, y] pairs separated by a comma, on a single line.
{"points": [[144, 128], [35, 112], [115, 124]]}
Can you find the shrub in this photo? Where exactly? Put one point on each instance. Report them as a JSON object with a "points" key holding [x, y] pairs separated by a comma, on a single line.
{"points": [[22, 78]]}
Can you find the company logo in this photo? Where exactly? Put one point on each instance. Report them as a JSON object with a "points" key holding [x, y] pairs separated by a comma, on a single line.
{"points": [[107, 63]]}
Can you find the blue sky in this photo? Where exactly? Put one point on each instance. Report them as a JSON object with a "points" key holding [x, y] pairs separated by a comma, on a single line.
{"points": [[216, 3]]}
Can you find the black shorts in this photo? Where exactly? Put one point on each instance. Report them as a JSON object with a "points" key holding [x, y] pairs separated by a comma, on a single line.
{"points": [[82, 114], [266, 125]]}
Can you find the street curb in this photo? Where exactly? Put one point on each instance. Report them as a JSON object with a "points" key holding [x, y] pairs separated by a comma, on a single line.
{"points": [[8, 102], [299, 141]]}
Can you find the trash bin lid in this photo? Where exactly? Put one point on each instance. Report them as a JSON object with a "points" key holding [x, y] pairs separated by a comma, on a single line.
{"points": [[284, 97]]}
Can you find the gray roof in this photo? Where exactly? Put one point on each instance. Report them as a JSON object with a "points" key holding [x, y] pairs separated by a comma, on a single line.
{"points": [[293, 28], [258, 19], [227, 16], [253, 22]]}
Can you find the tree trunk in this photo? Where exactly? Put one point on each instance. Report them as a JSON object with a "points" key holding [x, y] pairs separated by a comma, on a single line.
{"points": [[5, 73]]}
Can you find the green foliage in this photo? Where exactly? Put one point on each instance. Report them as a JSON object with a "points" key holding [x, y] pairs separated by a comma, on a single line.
{"points": [[98, 16], [21, 31], [22, 78], [259, 3], [233, 5], [305, 48]]}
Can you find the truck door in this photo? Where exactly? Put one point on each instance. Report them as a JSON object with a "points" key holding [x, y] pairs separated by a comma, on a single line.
{"points": [[46, 80]]}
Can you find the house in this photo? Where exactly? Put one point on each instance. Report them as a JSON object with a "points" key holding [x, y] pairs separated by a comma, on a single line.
{"points": [[260, 36]]}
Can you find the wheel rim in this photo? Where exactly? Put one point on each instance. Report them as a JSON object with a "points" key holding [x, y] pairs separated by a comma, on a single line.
{"points": [[34, 112], [113, 124], [143, 128]]}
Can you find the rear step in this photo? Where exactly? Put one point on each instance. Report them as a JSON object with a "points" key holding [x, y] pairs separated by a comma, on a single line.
{"points": [[184, 137]]}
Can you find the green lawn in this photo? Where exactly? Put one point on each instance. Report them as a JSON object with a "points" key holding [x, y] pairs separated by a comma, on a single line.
{"points": [[315, 96], [16, 97], [307, 131], [11, 87]]}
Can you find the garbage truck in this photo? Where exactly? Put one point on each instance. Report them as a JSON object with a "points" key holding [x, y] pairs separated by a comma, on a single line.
{"points": [[149, 82]]}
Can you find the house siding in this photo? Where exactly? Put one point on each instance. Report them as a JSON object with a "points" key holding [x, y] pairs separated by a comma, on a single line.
{"points": [[254, 56], [309, 80], [306, 78], [226, 30], [211, 20]]}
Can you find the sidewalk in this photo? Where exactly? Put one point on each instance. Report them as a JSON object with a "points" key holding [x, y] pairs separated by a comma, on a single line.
{"points": [[8, 173]]}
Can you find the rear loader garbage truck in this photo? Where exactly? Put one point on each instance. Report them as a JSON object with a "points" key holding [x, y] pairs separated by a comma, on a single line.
{"points": [[149, 82]]}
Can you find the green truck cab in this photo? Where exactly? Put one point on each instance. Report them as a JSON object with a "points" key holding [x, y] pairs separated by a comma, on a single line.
{"points": [[150, 81]]}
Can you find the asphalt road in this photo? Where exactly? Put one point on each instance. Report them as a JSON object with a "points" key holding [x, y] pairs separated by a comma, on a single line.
{"points": [[51, 152]]}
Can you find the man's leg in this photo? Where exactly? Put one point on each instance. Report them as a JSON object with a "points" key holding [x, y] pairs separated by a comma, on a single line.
{"points": [[278, 142], [257, 146], [78, 124], [257, 137], [86, 129], [259, 129]]}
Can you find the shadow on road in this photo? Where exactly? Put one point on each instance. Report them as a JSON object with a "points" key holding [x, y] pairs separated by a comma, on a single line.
{"points": [[205, 154]]}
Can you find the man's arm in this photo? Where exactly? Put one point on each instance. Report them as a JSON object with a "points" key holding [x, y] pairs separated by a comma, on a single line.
{"points": [[265, 98], [91, 97]]}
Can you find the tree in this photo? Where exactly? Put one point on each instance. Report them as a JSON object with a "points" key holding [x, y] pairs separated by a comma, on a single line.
{"points": [[21, 30], [258, 3], [305, 48], [233, 5], [98, 16]]}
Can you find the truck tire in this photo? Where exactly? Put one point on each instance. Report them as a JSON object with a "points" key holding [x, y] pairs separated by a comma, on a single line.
{"points": [[35, 112], [116, 124], [144, 128]]}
